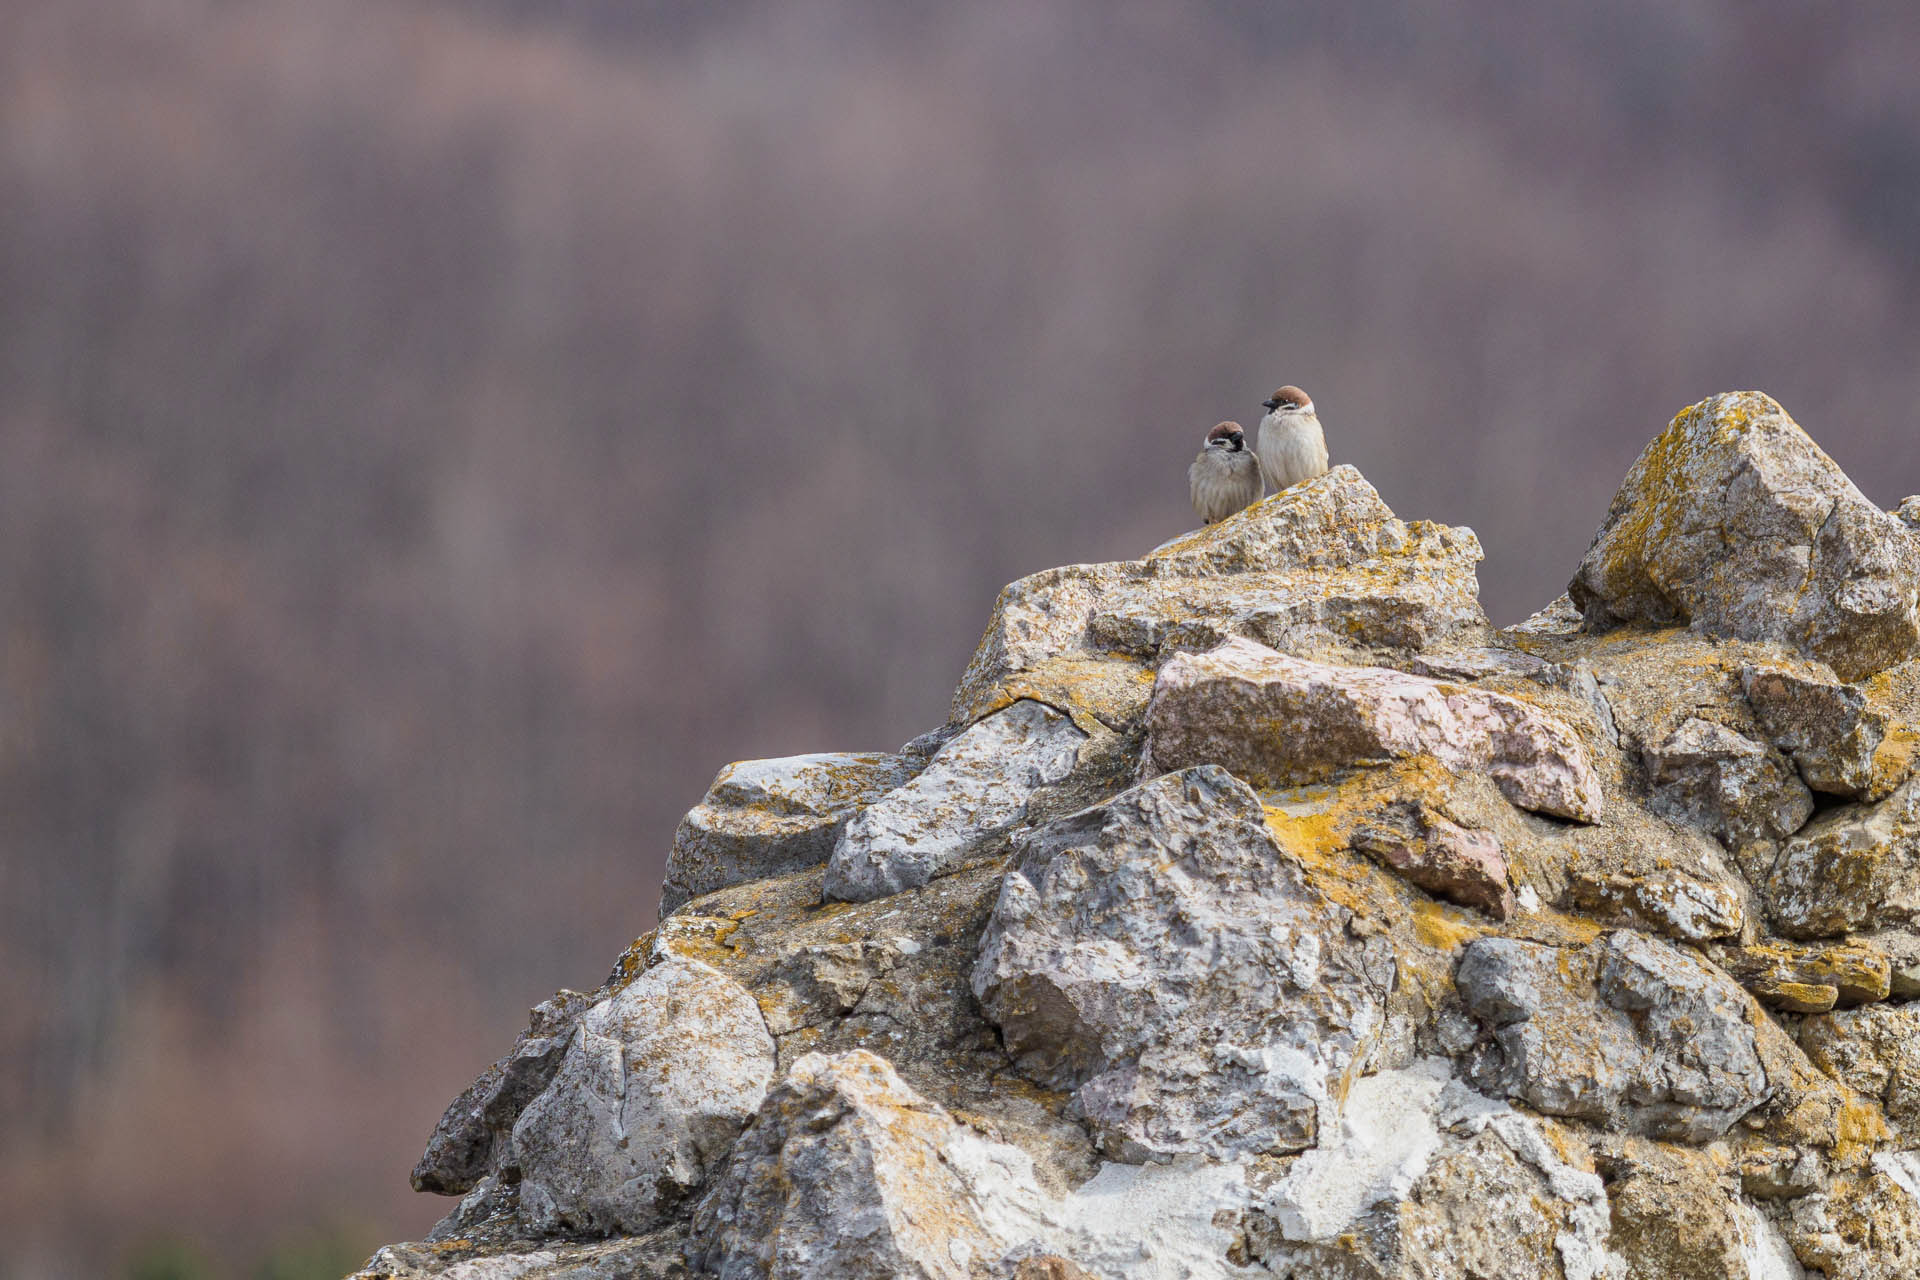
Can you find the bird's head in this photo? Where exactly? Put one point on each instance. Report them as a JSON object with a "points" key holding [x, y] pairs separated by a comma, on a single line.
{"points": [[1288, 399], [1228, 436]]}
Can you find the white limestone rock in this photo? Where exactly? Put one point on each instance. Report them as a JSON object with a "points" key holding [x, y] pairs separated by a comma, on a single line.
{"points": [[977, 786], [763, 818], [1158, 957], [1278, 720], [655, 1084], [1735, 522]]}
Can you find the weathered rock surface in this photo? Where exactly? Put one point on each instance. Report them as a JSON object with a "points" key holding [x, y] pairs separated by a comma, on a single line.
{"points": [[1158, 958], [1055, 993], [976, 786], [1855, 867], [1735, 522], [1738, 789], [1281, 721], [1627, 1032], [655, 1084], [1323, 566], [764, 818]]}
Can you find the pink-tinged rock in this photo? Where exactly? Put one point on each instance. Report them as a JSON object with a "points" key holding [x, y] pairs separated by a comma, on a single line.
{"points": [[1277, 720], [1449, 861]]}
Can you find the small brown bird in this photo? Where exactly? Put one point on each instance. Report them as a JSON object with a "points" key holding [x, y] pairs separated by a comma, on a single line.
{"points": [[1291, 446], [1225, 477]]}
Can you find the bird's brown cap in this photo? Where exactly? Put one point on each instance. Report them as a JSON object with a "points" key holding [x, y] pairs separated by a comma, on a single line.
{"points": [[1289, 395], [1224, 431]]}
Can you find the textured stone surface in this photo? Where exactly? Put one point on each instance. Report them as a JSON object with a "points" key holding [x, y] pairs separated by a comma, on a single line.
{"points": [[1875, 1051], [1734, 521], [655, 1083], [1671, 903], [1738, 789], [1852, 868], [1448, 860], [1325, 565], [1777, 974], [1826, 726], [1146, 945], [848, 1174], [1280, 721], [976, 786], [1625, 1032], [764, 818]]}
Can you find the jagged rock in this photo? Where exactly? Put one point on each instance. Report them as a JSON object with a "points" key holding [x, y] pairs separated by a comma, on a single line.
{"points": [[1448, 860], [655, 1083], [976, 786], [1324, 566], [1673, 1218], [1735, 522], [1624, 1032], [1051, 1267], [461, 1150], [763, 818], [848, 1174], [1161, 940], [655, 1257], [1826, 726], [1909, 511], [1852, 868], [1738, 789], [1430, 1181], [1278, 720], [1780, 975], [1875, 1051], [1864, 1224], [1671, 903]]}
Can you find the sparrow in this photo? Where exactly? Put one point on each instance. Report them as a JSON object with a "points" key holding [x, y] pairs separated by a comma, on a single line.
{"points": [[1226, 476], [1291, 447]]}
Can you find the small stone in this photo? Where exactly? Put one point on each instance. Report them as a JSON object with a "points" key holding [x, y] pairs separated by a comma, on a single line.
{"points": [[1738, 789], [1794, 997], [1278, 720], [975, 787], [1447, 860], [1776, 972], [1671, 903], [1825, 725], [1852, 868]]}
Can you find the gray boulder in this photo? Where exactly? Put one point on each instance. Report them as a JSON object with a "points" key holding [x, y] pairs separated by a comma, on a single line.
{"points": [[656, 1083], [1624, 1032], [763, 818], [1159, 958], [1852, 868], [1734, 522], [1740, 790], [977, 786]]}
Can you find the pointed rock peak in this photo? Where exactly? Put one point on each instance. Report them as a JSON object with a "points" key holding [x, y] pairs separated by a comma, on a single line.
{"points": [[1735, 522]]}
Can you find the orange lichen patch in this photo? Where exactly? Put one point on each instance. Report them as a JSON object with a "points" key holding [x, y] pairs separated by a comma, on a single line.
{"points": [[1445, 927], [1861, 1126]]}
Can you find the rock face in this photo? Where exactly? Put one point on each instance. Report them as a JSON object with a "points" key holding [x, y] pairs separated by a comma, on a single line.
{"points": [[1260, 911], [977, 786], [1735, 522], [1282, 721], [763, 818], [1146, 945]]}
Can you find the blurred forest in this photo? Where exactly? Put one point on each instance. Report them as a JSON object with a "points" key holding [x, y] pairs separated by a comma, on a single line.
{"points": [[438, 434]]}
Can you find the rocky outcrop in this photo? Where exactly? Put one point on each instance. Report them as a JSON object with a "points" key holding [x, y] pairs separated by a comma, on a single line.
{"points": [[1261, 912], [1735, 522]]}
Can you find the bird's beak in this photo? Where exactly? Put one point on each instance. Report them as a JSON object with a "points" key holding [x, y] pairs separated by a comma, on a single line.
{"points": [[1269, 405], [1237, 438]]}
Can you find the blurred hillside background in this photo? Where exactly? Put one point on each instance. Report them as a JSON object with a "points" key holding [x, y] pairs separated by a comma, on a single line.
{"points": [[435, 435]]}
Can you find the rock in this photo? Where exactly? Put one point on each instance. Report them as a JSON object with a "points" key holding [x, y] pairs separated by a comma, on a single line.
{"points": [[1864, 1224], [655, 1256], [1734, 522], [1625, 1032], [1671, 1216], [1444, 858], [1051, 1266], [461, 1150], [1671, 903], [975, 787], [656, 1082], [1908, 512], [848, 1174], [1780, 975], [1727, 783], [1854, 867], [1324, 566], [1430, 1181], [1875, 1051], [763, 818], [1281, 721], [1161, 939], [1826, 726]]}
